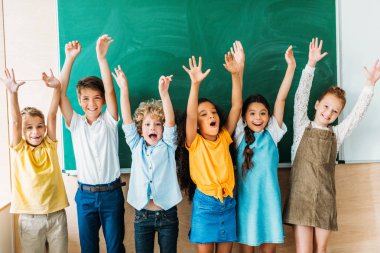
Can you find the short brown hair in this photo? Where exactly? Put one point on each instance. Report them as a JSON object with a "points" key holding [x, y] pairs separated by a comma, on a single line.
{"points": [[91, 82], [337, 92], [33, 112], [152, 107]]}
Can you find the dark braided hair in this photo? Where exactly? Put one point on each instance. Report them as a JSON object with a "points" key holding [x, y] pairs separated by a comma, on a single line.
{"points": [[182, 154], [249, 136]]}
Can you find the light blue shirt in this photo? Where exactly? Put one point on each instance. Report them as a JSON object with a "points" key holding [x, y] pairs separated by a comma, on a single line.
{"points": [[153, 169]]}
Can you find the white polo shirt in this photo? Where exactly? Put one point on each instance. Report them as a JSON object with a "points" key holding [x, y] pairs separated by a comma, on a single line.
{"points": [[95, 148]]}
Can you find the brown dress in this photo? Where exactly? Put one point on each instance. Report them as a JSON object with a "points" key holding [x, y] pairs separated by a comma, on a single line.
{"points": [[311, 200]]}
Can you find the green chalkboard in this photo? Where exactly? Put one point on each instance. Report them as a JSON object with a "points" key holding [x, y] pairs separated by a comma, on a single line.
{"points": [[154, 37]]}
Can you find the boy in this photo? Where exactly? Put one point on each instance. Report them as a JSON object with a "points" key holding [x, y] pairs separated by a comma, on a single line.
{"points": [[38, 192], [100, 200]]}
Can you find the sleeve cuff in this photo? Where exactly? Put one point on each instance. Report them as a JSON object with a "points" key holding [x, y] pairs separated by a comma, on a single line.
{"points": [[309, 69], [129, 127]]}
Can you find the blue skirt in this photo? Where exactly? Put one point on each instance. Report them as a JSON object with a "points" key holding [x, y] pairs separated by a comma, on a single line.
{"points": [[212, 221]]}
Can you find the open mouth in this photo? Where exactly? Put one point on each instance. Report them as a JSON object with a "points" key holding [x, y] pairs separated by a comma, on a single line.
{"points": [[213, 124], [153, 137]]}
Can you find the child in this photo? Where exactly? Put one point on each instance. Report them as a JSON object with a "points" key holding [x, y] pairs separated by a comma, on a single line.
{"points": [[38, 191], [99, 198], [258, 191], [311, 205], [213, 224], [153, 189]]}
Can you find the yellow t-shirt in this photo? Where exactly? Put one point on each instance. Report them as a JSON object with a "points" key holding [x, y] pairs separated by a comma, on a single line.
{"points": [[211, 166], [37, 184]]}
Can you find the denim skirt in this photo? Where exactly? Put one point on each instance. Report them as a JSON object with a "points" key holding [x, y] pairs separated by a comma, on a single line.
{"points": [[212, 220]]}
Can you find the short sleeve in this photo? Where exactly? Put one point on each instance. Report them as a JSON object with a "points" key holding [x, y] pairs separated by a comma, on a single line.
{"points": [[19, 146], [50, 143], [226, 135], [275, 130], [132, 137], [194, 144], [109, 119], [170, 136], [74, 121], [239, 132]]}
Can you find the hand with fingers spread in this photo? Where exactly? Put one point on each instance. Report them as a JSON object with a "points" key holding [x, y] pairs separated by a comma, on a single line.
{"points": [[10, 81], [72, 49], [289, 57], [315, 52], [120, 78], [373, 75], [231, 64], [238, 52], [51, 81], [163, 84], [102, 45], [195, 71]]}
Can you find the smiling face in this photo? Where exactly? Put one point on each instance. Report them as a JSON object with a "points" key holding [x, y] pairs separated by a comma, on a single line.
{"points": [[208, 120], [91, 101], [256, 116], [328, 109], [151, 129], [33, 129]]}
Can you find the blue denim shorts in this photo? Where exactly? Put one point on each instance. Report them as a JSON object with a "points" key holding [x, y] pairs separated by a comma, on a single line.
{"points": [[212, 220]]}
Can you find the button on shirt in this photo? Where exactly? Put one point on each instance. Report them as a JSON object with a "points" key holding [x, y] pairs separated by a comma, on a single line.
{"points": [[96, 148], [153, 169]]}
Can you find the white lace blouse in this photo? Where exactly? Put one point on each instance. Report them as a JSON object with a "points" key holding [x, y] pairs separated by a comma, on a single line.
{"points": [[301, 120]]}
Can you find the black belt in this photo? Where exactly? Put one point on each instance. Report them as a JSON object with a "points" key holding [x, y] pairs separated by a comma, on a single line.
{"points": [[102, 188]]}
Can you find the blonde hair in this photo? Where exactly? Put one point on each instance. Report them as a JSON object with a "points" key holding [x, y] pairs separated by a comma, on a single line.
{"points": [[152, 107], [33, 112]]}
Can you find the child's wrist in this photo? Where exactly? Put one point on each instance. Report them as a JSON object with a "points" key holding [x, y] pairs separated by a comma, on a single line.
{"points": [[312, 63]]}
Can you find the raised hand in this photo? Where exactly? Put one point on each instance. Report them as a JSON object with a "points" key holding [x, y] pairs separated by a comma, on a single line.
{"points": [[120, 77], [102, 45], [315, 52], [231, 64], [373, 75], [163, 84], [10, 81], [289, 57], [51, 81], [238, 52], [72, 49], [195, 71]]}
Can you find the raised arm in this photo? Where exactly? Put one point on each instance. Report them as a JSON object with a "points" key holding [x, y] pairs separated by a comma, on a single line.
{"points": [[72, 50], [12, 88], [163, 88], [279, 105], [109, 92], [196, 76], [125, 104], [54, 83], [234, 63], [301, 99]]}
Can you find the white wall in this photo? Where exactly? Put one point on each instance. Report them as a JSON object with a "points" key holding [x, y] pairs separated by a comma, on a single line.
{"points": [[360, 46]]}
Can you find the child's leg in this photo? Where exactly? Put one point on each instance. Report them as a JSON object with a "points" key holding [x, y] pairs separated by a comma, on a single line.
{"points": [[224, 247], [243, 248], [303, 236], [32, 230], [88, 221], [168, 231], [321, 237], [268, 248], [111, 212], [144, 231], [57, 236], [205, 248]]}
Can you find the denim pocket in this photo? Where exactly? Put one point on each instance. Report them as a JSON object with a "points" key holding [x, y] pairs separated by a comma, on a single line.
{"points": [[140, 217]]}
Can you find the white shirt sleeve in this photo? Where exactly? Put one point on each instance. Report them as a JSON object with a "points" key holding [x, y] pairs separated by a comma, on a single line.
{"points": [[239, 132], [345, 128], [132, 137], [275, 130], [73, 123], [170, 136], [109, 119]]}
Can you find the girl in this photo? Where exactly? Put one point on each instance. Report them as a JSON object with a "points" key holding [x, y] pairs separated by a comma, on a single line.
{"points": [[153, 188], [213, 224], [311, 204], [258, 191]]}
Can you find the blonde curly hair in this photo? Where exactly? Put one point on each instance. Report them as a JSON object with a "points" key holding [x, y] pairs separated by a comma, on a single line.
{"points": [[152, 107], [33, 112]]}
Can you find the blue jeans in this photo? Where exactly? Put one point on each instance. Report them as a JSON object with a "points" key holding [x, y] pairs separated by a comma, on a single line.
{"points": [[96, 209], [147, 223]]}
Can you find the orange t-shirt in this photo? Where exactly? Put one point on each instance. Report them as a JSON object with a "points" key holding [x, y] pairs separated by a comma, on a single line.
{"points": [[211, 166]]}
